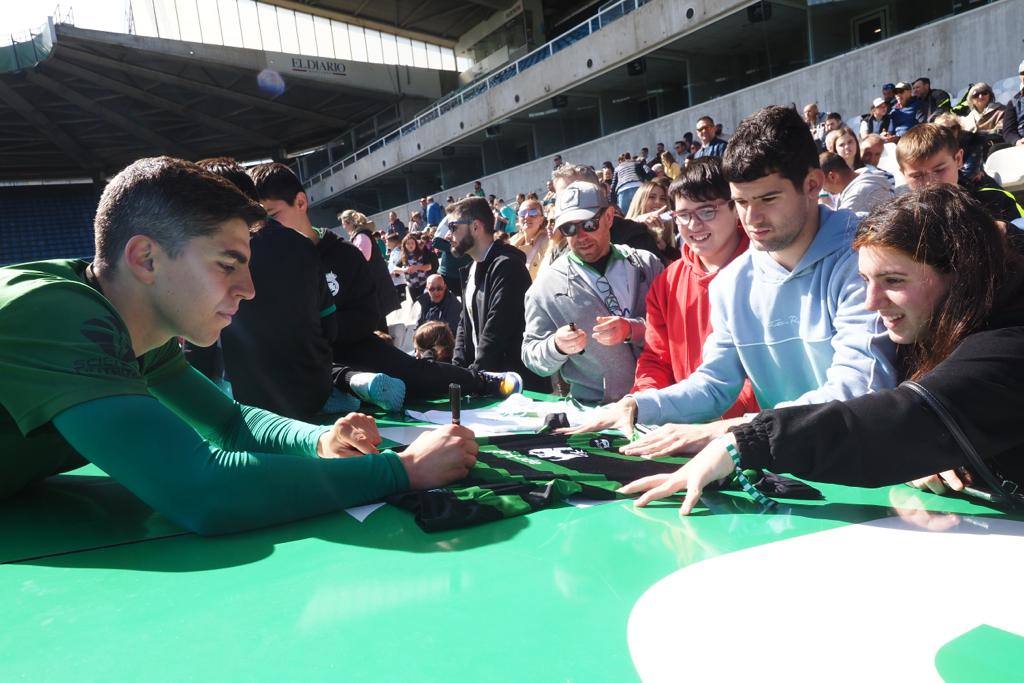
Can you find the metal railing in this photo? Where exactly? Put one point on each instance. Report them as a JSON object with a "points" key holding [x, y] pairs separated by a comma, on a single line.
{"points": [[477, 88]]}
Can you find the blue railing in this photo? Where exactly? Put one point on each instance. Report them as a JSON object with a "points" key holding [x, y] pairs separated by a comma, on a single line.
{"points": [[468, 92]]}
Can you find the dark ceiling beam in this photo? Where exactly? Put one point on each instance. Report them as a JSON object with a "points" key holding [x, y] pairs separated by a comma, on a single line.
{"points": [[206, 88], [64, 142], [458, 9], [62, 90], [494, 5], [358, 10], [182, 110]]}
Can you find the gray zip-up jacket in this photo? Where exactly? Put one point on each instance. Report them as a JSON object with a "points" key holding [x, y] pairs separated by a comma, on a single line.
{"points": [[562, 294]]}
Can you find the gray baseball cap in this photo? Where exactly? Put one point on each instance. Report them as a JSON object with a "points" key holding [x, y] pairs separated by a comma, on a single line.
{"points": [[579, 201]]}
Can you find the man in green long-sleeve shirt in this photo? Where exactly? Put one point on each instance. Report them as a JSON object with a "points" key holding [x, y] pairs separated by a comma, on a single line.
{"points": [[91, 370]]}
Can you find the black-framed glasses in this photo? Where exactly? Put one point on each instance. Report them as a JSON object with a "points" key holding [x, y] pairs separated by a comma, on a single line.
{"points": [[589, 225], [704, 214], [455, 224]]}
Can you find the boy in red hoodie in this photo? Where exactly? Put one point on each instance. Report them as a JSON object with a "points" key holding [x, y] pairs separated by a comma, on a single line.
{"points": [[678, 308]]}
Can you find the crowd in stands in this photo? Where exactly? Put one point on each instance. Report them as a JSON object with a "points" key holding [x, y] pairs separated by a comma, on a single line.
{"points": [[692, 288]]}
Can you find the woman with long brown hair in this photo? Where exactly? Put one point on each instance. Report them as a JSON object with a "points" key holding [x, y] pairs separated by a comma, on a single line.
{"points": [[949, 287], [415, 264]]}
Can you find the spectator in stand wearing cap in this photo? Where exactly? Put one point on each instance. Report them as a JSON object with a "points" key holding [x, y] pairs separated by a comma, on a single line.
{"points": [[1013, 115], [878, 121], [889, 95], [907, 112], [595, 291]]}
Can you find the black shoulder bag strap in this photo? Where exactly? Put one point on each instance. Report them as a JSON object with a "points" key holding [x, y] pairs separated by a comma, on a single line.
{"points": [[1003, 490]]}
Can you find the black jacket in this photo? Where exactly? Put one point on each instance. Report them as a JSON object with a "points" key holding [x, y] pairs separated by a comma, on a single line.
{"points": [[500, 316], [352, 286], [1013, 119], [891, 436], [934, 104], [449, 310], [1000, 204], [634, 234], [277, 349]]}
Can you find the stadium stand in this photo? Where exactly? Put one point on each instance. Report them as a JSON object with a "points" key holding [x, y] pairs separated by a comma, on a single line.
{"points": [[48, 221]]}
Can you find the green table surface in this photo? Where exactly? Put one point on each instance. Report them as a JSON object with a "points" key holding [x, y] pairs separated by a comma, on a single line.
{"points": [[96, 586]]}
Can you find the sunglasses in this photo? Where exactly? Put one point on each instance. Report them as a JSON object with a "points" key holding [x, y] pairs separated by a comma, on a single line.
{"points": [[529, 213], [983, 93], [435, 289], [590, 225]]}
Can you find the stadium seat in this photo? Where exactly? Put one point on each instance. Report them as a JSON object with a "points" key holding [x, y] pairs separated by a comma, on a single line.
{"points": [[44, 222]]}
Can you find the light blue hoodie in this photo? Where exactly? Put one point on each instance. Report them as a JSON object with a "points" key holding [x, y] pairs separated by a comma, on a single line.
{"points": [[801, 337]]}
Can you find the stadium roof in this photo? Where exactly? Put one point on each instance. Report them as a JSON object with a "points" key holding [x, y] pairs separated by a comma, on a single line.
{"points": [[99, 100], [440, 21]]}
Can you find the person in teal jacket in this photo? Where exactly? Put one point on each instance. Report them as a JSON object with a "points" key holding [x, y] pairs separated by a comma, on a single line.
{"points": [[93, 371], [789, 314]]}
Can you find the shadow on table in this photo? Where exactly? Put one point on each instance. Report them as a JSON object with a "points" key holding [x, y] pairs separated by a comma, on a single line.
{"points": [[94, 522]]}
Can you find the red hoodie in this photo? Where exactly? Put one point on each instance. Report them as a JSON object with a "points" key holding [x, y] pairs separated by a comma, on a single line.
{"points": [[678, 322]]}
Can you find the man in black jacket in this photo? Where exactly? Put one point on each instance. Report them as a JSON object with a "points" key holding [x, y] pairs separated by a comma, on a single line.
{"points": [[490, 335], [1013, 115], [364, 364], [277, 351], [437, 303]]}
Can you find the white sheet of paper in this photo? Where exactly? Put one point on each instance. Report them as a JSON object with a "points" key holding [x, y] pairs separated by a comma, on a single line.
{"points": [[361, 512], [515, 414], [404, 434]]}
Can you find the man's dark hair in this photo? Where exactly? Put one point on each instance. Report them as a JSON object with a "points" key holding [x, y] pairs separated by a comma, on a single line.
{"points": [[834, 116], [832, 162], [475, 208], [923, 79], [773, 140], [706, 118], [276, 181], [231, 170], [678, 142], [701, 181], [169, 200]]}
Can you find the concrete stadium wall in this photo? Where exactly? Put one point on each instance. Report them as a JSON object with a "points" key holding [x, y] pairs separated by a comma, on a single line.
{"points": [[633, 35], [983, 44]]}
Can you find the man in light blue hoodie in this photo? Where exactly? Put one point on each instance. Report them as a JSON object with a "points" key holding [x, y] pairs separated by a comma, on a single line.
{"points": [[789, 314]]}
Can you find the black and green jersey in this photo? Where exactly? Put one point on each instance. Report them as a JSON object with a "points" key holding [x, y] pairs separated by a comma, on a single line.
{"points": [[520, 473]]}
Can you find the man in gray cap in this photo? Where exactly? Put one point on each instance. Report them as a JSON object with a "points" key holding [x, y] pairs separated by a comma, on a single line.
{"points": [[585, 312]]}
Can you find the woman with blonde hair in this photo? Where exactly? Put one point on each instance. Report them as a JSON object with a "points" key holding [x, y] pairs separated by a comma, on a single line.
{"points": [[647, 206], [360, 230]]}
